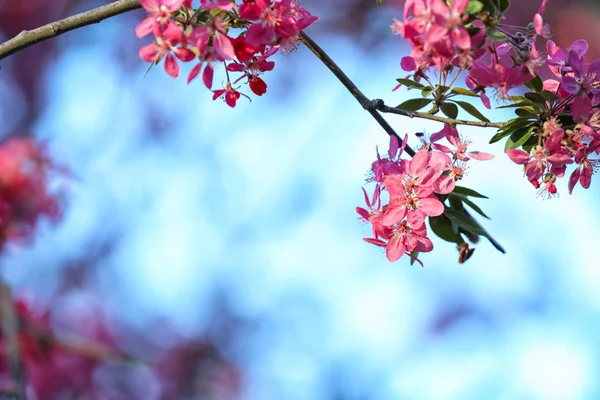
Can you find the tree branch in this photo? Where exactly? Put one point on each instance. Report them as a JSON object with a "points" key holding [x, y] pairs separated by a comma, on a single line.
{"points": [[53, 29], [379, 105], [352, 88], [372, 106], [10, 335]]}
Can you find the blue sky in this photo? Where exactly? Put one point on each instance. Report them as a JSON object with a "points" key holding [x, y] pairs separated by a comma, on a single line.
{"points": [[259, 201]]}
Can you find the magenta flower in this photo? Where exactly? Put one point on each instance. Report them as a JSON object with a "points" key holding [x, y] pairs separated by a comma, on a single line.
{"points": [[449, 23], [407, 236], [160, 11], [171, 36], [460, 151]]}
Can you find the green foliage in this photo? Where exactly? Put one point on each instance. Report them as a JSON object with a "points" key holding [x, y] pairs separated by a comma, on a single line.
{"points": [[414, 104]]}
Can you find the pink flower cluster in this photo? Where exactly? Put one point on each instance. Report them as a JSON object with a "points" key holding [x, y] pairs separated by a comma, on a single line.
{"points": [[204, 34], [448, 37], [573, 141], [25, 171], [413, 187]]}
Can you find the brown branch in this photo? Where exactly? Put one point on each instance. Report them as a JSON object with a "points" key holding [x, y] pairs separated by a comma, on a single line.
{"points": [[372, 106], [10, 333], [352, 88], [53, 29]]}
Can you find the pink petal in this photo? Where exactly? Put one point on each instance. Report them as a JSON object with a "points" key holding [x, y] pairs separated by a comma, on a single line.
{"points": [[194, 73], [424, 244], [518, 156], [585, 178], [430, 206], [394, 249], [171, 66], [207, 75], [461, 38], [376, 242], [145, 27], [223, 46], [439, 161], [419, 162], [573, 180], [394, 145], [363, 213], [538, 23], [392, 215], [444, 184], [477, 155]]}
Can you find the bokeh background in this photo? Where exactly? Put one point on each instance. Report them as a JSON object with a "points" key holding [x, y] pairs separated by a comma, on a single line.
{"points": [[222, 245]]}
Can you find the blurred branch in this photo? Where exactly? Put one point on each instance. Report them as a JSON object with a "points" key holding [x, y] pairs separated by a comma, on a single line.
{"points": [[10, 331], [86, 349], [372, 106], [53, 29], [347, 82]]}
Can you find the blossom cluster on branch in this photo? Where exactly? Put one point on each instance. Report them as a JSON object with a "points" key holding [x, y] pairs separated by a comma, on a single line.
{"points": [[557, 123], [556, 128], [205, 35]]}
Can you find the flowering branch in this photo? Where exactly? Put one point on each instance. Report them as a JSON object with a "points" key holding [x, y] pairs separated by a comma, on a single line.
{"points": [[10, 333], [372, 106], [56, 28]]}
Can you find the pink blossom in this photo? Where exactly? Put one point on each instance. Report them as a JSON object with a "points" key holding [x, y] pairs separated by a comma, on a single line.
{"points": [[160, 11], [460, 151]]}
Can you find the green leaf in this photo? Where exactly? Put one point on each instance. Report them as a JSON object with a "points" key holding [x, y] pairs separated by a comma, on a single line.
{"points": [[518, 104], [499, 136], [427, 91], [410, 83], [474, 7], [530, 143], [535, 84], [450, 110], [442, 228], [518, 138], [414, 104], [470, 108], [515, 124], [468, 192], [536, 98], [149, 68], [442, 89], [551, 97], [503, 5], [464, 220], [464, 92], [526, 112], [468, 223], [414, 255], [496, 35], [465, 200]]}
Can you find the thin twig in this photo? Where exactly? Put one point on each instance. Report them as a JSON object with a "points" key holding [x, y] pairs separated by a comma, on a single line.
{"points": [[87, 349], [53, 29], [347, 82], [10, 331], [379, 105]]}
